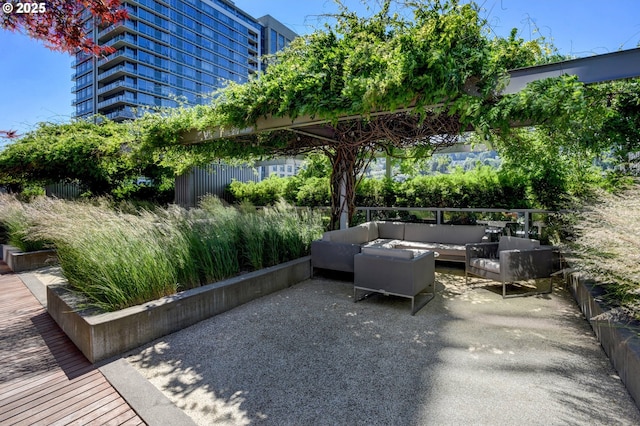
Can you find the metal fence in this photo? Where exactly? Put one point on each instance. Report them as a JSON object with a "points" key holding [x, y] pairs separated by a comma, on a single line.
{"points": [[212, 179], [520, 222], [65, 191]]}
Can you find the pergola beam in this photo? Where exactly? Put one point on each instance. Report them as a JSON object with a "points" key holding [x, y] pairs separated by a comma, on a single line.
{"points": [[594, 69]]}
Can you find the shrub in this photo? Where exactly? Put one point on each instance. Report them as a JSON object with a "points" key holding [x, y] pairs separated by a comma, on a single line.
{"points": [[376, 192], [480, 187], [263, 193], [311, 192]]}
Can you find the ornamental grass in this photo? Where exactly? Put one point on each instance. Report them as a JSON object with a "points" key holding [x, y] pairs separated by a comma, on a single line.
{"points": [[116, 258], [15, 226], [606, 245]]}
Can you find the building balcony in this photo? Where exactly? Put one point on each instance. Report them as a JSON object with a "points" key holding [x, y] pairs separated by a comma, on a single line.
{"points": [[76, 101], [80, 73], [124, 39], [105, 90], [77, 87], [121, 99], [121, 114], [113, 30], [116, 57], [117, 71], [77, 61]]}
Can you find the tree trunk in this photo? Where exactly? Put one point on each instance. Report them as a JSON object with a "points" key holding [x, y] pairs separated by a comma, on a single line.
{"points": [[344, 162]]}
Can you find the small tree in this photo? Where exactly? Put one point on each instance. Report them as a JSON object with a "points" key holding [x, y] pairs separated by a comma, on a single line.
{"points": [[404, 83]]}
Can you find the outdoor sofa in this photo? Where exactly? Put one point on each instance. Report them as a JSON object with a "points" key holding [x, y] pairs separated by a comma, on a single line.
{"points": [[336, 250]]}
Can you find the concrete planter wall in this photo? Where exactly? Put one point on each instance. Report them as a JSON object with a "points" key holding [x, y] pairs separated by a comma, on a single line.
{"points": [[620, 341], [19, 261], [104, 335]]}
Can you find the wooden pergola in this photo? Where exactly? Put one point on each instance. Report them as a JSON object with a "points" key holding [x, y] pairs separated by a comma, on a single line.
{"points": [[307, 132]]}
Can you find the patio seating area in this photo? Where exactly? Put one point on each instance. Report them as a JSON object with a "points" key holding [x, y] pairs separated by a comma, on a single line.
{"points": [[397, 258]]}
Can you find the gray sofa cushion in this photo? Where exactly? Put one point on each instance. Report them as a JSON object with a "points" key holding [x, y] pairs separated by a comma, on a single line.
{"points": [[382, 242], [379, 251], [446, 234], [515, 243], [391, 230], [372, 228], [355, 235], [442, 249], [491, 265]]}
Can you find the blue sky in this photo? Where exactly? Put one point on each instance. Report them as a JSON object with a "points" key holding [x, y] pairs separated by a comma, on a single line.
{"points": [[36, 83]]}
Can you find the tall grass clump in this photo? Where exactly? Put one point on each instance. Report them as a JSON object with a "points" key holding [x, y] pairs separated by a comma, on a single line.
{"points": [[114, 259], [604, 242], [277, 233], [210, 239], [16, 225]]}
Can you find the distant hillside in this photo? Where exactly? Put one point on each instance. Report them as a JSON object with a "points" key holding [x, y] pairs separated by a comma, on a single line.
{"points": [[440, 163]]}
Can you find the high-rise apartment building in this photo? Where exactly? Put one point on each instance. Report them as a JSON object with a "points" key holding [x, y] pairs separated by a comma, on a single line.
{"points": [[170, 52]]}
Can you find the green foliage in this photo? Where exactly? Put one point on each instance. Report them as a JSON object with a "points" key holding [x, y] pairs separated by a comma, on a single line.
{"points": [[377, 192], [481, 187], [553, 167], [315, 165], [357, 65], [621, 124], [104, 159], [266, 192], [313, 191]]}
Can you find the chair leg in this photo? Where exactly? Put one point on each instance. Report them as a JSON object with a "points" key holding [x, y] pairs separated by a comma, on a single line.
{"points": [[531, 293]]}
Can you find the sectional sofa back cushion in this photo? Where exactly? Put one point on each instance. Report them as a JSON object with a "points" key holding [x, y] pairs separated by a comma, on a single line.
{"points": [[443, 234], [515, 243], [397, 253], [372, 230], [391, 230], [356, 235]]}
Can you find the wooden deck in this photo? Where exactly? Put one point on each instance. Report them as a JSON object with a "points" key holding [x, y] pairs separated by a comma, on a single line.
{"points": [[44, 378]]}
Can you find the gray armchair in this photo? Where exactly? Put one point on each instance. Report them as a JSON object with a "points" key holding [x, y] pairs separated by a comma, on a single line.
{"points": [[510, 260]]}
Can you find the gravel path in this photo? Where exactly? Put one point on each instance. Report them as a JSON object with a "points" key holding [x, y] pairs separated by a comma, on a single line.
{"points": [[308, 355]]}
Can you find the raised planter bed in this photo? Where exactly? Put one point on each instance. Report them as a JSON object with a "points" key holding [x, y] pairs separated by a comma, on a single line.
{"points": [[620, 340], [19, 261], [100, 336]]}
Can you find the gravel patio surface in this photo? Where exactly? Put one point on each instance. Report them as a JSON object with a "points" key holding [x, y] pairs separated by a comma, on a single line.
{"points": [[309, 355]]}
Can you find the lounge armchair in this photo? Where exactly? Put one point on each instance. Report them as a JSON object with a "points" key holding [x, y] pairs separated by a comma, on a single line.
{"points": [[510, 260]]}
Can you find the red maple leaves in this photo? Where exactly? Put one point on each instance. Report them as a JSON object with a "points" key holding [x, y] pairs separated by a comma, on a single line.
{"points": [[62, 25], [9, 134]]}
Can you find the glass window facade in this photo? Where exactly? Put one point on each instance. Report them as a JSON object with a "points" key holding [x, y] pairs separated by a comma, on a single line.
{"points": [[168, 52]]}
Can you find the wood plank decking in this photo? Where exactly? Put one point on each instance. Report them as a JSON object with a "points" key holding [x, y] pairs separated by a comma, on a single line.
{"points": [[44, 378]]}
